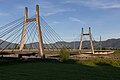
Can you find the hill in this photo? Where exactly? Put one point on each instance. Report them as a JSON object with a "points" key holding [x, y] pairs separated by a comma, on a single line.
{"points": [[109, 44]]}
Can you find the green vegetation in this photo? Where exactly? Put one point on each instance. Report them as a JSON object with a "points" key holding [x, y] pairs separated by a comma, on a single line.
{"points": [[117, 52], [64, 55], [36, 69], [100, 62]]}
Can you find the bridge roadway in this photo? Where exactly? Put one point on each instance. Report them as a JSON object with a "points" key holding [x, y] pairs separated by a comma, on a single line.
{"points": [[51, 51], [88, 51], [29, 52]]}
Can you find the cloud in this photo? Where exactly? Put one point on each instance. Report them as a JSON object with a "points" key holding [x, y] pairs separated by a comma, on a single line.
{"points": [[104, 4], [53, 12], [73, 19], [49, 8], [56, 22]]}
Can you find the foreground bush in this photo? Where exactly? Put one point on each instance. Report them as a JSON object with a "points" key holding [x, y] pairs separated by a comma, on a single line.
{"points": [[64, 55]]}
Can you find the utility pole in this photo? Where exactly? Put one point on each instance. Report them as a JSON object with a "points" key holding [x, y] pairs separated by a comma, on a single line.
{"points": [[100, 43], [74, 41]]}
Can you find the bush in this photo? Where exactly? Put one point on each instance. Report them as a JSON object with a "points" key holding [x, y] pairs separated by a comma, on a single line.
{"points": [[64, 55]]}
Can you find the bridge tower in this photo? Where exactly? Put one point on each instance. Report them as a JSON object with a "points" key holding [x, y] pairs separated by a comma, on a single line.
{"points": [[90, 37], [37, 20]]}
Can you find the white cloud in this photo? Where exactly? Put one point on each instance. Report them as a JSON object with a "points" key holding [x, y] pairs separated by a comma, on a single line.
{"points": [[105, 4], [49, 8], [53, 12], [73, 19], [56, 22]]}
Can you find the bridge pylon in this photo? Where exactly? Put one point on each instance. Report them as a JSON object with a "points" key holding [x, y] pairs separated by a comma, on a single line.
{"points": [[90, 37], [37, 20]]}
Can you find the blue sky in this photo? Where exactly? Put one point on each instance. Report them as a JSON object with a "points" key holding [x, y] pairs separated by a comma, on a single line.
{"points": [[67, 17]]}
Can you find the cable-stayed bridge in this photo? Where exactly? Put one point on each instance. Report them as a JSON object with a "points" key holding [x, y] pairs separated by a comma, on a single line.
{"points": [[31, 36]]}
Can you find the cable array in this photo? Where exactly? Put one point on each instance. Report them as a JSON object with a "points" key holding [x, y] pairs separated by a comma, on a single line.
{"points": [[11, 34], [53, 39]]}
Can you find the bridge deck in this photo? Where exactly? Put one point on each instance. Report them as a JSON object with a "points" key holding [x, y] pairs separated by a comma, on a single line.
{"points": [[26, 51]]}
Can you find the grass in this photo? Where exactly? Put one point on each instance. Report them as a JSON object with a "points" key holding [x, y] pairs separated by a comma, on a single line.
{"points": [[13, 69], [100, 62], [117, 52]]}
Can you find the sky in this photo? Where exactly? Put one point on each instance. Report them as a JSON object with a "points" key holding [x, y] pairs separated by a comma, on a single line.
{"points": [[67, 17]]}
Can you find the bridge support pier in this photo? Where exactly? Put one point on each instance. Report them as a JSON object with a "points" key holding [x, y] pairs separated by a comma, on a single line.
{"points": [[39, 33], [37, 20], [90, 37], [24, 29]]}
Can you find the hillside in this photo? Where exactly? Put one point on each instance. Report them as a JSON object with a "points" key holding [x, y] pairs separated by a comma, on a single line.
{"points": [[110, 43]]}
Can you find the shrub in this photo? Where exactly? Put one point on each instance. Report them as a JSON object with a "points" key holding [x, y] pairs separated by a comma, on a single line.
{"points": [[64, 55]]}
